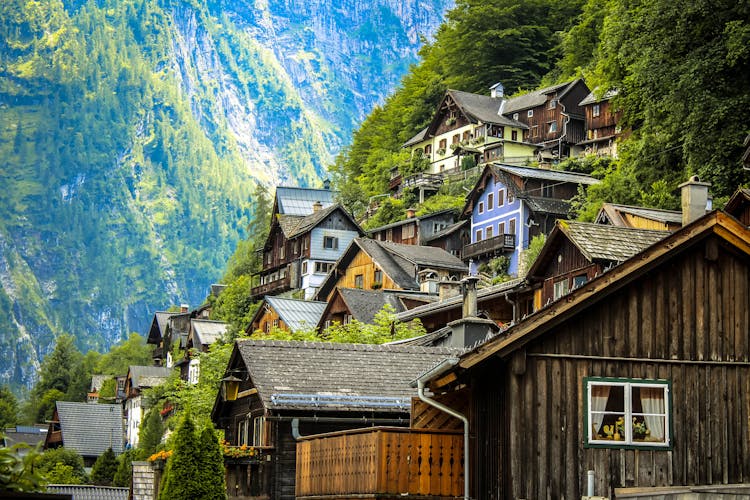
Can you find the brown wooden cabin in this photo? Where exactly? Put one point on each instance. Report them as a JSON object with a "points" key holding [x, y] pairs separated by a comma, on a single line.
{"points": [[669, 328], [415, 229], [452, 239], [639, 217], [291, 315], [370, 264], [739, 205], [602, 129], [554, 116], [577, 252], [288, 390]]}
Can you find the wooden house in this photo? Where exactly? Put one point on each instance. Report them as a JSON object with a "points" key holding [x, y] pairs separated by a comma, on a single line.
{"points": [[739, 206], [171, 329], [374, 265], [203, 333], [139, 378], [287, 390], [639, 217], [286, 314], [89, 429], [467, 125], [639, 376], [554, 118], [347, 304], [301, 249], [577, 252], [510, 205], [602, 129], [415, 229], [452, 238]]}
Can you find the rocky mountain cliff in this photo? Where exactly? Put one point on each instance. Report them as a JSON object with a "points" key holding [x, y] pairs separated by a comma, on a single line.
{"points": [[133, 131]]}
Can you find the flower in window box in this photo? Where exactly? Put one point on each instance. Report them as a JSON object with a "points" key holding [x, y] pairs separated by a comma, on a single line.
{"points": [[441, 151]]}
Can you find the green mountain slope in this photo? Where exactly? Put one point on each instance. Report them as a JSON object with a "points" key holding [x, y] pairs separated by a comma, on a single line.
{"points": [[132, 133]]}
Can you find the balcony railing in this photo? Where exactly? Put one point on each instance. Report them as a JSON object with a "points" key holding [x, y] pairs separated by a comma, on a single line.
{"points": [[433, 181], [381, 461], [495, 245], [272, 288]]}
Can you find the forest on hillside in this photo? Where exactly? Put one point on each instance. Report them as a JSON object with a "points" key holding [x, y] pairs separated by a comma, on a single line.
{"points": [[682, 72]]}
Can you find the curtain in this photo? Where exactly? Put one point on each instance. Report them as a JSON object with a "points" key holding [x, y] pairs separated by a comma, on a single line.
{"points": [[599, 397], [652, 402]]}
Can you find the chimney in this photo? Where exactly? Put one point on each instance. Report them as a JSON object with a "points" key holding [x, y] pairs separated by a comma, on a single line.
{"points": [[327, 184], [694, 194], [410, 213], [469, 289], [317, 206], [448, 289], [184, 308], [497, 91], [470, 329]]}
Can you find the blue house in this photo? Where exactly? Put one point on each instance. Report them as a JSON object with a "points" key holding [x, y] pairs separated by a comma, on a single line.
{"points": [[510, 205]]}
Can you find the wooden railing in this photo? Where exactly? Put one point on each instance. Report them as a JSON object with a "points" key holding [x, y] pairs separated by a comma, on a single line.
{"points": [[277, 286], [381, 460], [498, 244]]}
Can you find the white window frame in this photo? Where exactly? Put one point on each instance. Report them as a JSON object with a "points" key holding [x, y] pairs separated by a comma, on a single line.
{"points": [[628, 414], [334, 242], [260, 431], [560, 288], [478, 235], [596, 110], [242, 432], [515, 116], [490, 201], [480, 207], [530, 113], [489, 232]]}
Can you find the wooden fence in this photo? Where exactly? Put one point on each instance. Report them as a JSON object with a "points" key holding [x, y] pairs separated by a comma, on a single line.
{"points": [[381, 461]]}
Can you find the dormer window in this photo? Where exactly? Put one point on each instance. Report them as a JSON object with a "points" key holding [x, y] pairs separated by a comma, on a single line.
{"points": [[530, 113], [515, 116], [553, 104], [595, 110]]}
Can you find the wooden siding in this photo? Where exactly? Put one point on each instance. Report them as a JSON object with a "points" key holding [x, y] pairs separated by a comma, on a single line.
{"points": [[381, 462], [363, 264], [267, 318], [686, 322], [644, 223]]}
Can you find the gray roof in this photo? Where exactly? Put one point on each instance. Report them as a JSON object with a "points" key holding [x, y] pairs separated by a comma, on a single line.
{"points": [[88, 492], [447, 230], [29, 434], [547, 205], [484, 108], [365, 304], [159, 326], [207, 332], [533, 98], [592, 99], [299, 201], [297, 314], [657, 214], [341, 373], [610, 243], [90, 428], [98, 380], [425, 256], [419, 137], [416, 218], [547, 174], [147, 376]]}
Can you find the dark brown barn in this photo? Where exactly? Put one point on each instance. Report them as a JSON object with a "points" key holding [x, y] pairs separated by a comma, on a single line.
{"points": [[640, 376]]}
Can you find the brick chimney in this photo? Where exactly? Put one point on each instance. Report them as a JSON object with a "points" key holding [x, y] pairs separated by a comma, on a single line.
{"points": [[694, 194], [317, 206]]}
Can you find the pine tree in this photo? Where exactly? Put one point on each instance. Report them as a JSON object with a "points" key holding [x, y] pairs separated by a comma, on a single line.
{"points": [[151, 432], [104, 469], [211, 467], [181, 474]]}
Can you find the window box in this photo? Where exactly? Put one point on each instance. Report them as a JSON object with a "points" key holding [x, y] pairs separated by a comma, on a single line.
{"points": [[627, 413], [441, 151]]}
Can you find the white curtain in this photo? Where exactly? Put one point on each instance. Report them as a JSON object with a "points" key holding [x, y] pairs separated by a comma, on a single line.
{"points": [[599, 397], [652, 401]]}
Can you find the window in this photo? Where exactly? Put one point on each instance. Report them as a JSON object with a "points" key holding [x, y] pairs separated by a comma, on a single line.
{"points": [[501, 228], [466, 136], [512, 226], [488, 232], [627, 412], [389, 234], [242, 432], [443, 144], [282, 251], [546, 190], [560, 288], [377, 276], [579, 280], [276, 323], [491, 201], [501, 198], [348, 318], [260, 431], [323, 267], [438, 226], [510, 198], [296, 247], [515, 116], [456, 139], [428, 150], [514, 135], [359, 281], [552, 127], [481, 207], [478, 235], [595, 110], [407, 231], [530, 113], [330, 242], [304, 267], [553, 104]]}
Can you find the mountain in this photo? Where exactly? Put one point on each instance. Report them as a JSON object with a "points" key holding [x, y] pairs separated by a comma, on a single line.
{"points": [[133, 131]]}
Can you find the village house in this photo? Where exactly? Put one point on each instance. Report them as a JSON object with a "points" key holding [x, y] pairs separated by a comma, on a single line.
{"points": [[415, 229], [739, 206], [170, 330], [89, 429], [303, 242], [471, 126], [510, 205], [638, 376], [139, 378], [277, 392], [292, 315], [602, 129], [374, 265], [203, 333], [639, 217]]}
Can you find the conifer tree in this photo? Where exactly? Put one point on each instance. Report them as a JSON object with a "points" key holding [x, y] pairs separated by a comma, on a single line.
{"points": [[181, 480], [151, 432], [105, 467], [211, 466]]}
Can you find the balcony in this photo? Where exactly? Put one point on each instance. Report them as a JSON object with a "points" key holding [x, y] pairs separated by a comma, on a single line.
{"points": [[496, 245], [380, 462], [423, 180], [272, 288]]}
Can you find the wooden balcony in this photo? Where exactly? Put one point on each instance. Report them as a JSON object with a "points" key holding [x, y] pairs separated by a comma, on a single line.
{"points": [[496, 245], [272, 288], [380, 462], [423, 180]]}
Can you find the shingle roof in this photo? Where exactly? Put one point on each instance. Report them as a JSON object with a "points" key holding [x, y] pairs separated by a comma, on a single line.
{"points": [[365, 304], [547, 174], [447, 230], [532, 99], [411, 219], [656, 214], [207, 332], [297, 314], [610, 243], [592, 99], [90, 428], [147, 376], [425, 256], [547, 205], [159, 326], [299, 201], [484, 108], [419, 137], [88, 492], [344, 371]]}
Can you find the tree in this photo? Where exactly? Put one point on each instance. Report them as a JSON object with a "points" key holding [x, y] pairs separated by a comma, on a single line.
{"points": [[133, 351], [182, 472], [8, 408], [18, 471], [211, 466], [63, 466], [151, 432], [124, 472], [104, 469]]}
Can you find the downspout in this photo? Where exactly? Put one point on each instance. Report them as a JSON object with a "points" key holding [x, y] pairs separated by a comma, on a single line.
{"points": [[512, 303], [443, 367]]}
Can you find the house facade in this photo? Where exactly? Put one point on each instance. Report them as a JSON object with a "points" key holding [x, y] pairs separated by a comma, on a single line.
{"points": [[87, 428], [510, 205], [602, 129], [415, 229], [286, 314], [139, 378], [639, 217]]}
